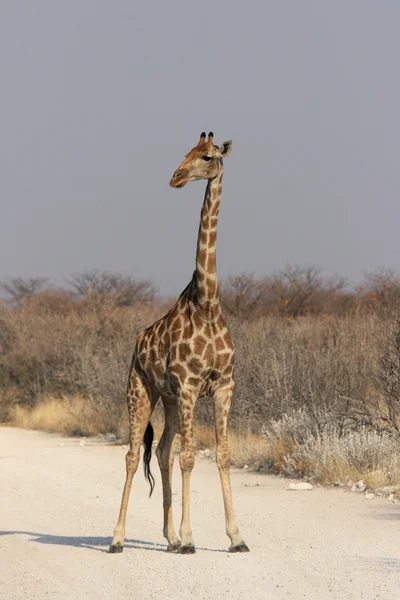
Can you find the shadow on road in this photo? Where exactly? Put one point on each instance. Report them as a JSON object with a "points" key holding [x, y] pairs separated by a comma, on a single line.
{"points": [[392, 513], [101, 544], [382, 563]]}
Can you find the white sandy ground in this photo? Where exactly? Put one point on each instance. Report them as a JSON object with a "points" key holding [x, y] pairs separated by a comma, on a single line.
{"points": [[59, 502]]}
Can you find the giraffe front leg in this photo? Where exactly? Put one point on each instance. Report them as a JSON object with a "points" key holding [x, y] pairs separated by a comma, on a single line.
{"points": [[186, 460], [140, 406], [166, 456], [222, 402]]}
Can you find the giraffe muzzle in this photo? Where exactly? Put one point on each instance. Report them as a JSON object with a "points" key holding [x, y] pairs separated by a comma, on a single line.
{"points": [[179, 179]]}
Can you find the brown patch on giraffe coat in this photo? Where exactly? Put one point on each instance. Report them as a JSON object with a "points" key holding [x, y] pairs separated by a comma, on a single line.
{"points": [[208, 354], [228, 370], [176, 324], [201, 276], [205, 221], [208, 331], [174, 352], [228, 340], [204, 238], [201, 288], [212, 238], [211, 285], [188, 331], [201, 257], [195, 366], [176, 335], [194, 381], [223, 360], [215, 210], [198, 344], [211, 263], [219, 344], [179, 371], [184, 351]]}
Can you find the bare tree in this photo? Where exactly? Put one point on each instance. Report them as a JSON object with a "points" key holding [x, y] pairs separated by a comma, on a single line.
{"points": [[291, 292], [19, 288], [295, 289], [104, 285], [243, 295]]}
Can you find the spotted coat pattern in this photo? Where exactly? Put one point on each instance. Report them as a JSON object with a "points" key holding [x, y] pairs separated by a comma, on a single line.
{"points": [[186, 354]]}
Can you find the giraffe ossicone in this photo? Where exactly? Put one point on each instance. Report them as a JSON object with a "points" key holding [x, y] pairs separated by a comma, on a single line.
{"points": [[186, 354]]}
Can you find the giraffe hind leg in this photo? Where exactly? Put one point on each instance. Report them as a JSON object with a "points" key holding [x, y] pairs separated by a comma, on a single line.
{"points": [[140, 407], [166, 456]]}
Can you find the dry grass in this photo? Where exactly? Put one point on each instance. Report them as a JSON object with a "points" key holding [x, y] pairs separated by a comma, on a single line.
{"points": [[69, 416], [81, 416], [244, 447]]}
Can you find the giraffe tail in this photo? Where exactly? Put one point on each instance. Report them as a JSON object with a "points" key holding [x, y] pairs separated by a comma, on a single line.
{"points": [[148, 443]]}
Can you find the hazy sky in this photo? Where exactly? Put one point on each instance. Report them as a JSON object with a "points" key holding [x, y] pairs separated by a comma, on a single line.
{"points": [[100, 100]]}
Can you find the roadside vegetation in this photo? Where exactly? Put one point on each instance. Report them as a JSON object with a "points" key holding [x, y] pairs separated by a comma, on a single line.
{"points": [[317, 377]]}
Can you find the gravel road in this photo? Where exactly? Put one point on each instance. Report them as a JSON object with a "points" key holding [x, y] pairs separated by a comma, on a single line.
{"points": [[59, 499]]}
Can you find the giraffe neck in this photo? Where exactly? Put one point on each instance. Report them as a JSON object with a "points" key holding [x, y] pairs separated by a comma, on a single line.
{"points": [[206, 260]]}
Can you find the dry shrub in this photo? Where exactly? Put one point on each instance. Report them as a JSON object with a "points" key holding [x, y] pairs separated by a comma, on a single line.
{"points": [[383, 290], [64, 353], [291, 292], [325, 372], [388, 376], [327, 456], [303, 290], [322, 365]]}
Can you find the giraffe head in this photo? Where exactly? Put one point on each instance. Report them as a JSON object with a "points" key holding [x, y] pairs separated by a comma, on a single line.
{"points": [[204, 161]]}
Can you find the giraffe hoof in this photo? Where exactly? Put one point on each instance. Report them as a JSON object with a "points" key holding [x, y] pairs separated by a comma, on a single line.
{"points": [[116, 548], [173, 547], [188, 549], [242, 547]]}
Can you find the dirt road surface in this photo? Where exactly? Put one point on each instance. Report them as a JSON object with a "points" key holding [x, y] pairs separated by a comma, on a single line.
{"points": [[59, 499]]}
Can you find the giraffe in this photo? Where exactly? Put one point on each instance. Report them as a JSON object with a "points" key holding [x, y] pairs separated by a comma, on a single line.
{"points": [[186, 354]]}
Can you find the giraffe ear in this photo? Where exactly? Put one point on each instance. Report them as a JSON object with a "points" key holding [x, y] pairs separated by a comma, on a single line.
{"points": [[226, 149]]}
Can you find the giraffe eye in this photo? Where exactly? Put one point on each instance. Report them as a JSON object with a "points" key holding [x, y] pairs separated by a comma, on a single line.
{"points": [[207, 158]]}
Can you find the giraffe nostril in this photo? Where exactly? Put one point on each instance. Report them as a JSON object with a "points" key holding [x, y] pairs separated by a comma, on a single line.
{"points": [[178, 174]]}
